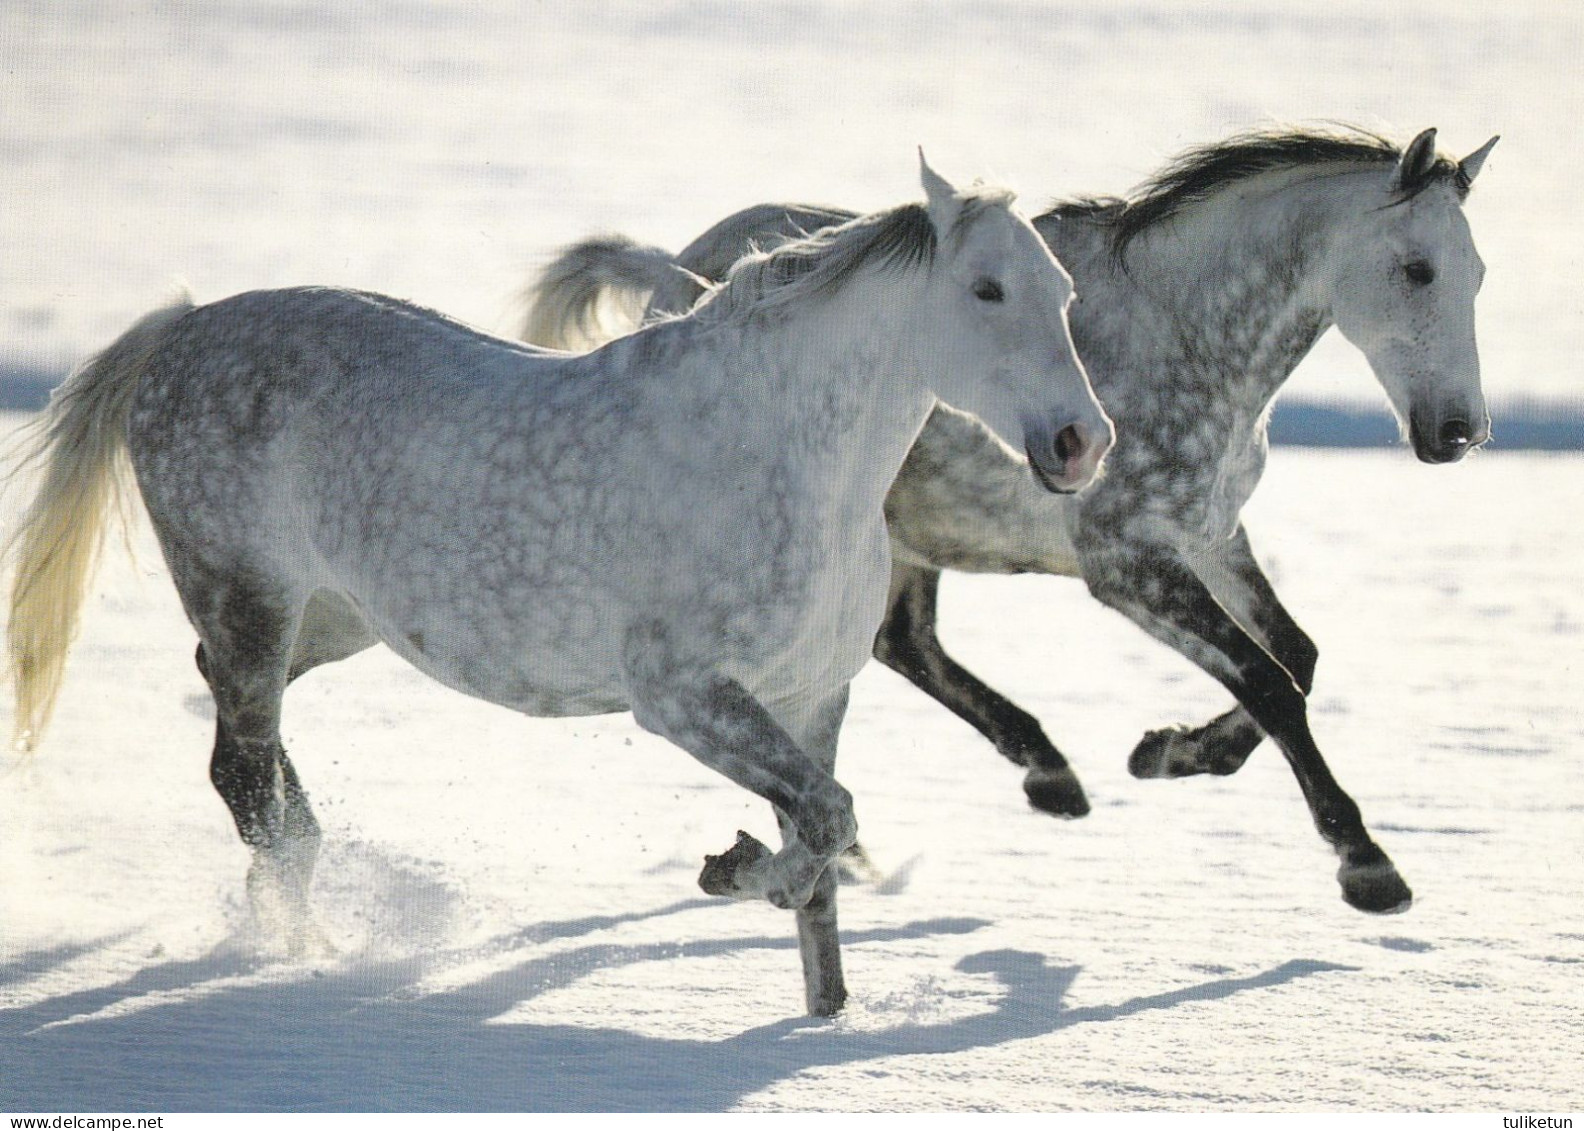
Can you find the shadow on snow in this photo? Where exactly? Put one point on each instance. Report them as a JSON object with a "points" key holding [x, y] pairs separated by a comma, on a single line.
{"points": [[207, 1035]]}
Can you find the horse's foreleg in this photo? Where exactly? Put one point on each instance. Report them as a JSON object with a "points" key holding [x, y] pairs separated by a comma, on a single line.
{"points": [[724, 727], [720, 723], [1222, 745], [819, 948], [819, 945], [1157, 590], [907, 643], [817, 824]]}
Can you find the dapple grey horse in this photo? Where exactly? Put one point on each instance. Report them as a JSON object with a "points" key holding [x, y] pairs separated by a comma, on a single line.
{"points": [[1197, 297], [686, 523]]}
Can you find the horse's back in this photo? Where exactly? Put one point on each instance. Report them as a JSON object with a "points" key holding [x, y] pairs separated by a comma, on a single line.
{"points": [[238, 377], [313, 442], [255, 359], [264, 412], [711, 256], [480, 503]]}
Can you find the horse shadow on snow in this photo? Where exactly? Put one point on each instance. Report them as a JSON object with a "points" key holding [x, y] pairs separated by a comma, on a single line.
{"points": [[207, 1035]]}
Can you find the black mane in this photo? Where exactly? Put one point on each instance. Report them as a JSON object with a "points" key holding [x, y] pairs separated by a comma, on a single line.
{"points": [[1199, 173]]}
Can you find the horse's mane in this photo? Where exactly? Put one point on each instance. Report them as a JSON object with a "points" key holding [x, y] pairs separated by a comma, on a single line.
{"points": [[815, 266], [1199, 173]]}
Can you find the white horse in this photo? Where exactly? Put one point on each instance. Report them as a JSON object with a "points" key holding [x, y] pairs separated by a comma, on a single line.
{"points": [[1198, 296], [686, 523]]}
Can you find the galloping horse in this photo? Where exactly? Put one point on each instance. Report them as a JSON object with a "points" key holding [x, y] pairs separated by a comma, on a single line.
{"points": [[1198, 296], [686, 523]]}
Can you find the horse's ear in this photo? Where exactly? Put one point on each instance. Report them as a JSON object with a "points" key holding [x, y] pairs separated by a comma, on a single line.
{"points": [[1469, 167], [943, 201], [1415, 164]]}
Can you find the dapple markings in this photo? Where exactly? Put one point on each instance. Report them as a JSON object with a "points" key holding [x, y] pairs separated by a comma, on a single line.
{"points": [[1198, 296], [686, 523]]}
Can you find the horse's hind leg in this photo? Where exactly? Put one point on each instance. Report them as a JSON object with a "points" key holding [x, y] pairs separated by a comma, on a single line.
{"points": [[260, 786], [907, 643], [268, 803], [247, 630], [332, 629]]}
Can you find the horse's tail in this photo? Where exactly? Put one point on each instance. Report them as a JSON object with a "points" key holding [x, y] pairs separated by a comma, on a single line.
{"points": [[568, 303], [81, 442]]}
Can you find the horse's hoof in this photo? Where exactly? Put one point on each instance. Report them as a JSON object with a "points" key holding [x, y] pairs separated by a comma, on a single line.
{"points": [[828, 1004], [1152, 757], [308, 943], [1056, 792], [720, 873], [1375, 886], [1178, 752]]}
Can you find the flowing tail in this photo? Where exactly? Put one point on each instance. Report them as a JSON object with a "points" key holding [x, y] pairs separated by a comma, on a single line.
{"points": [[568, 305], [81, 442]]}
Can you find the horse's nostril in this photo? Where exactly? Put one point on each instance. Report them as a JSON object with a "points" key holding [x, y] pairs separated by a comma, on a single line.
{"points": [[1456, 433], [1069, 443]]}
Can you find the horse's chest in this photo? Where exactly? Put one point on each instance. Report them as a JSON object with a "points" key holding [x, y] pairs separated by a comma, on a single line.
{"points": [[1241, 467], [1189, 489], [813, 604], [963, 500]]}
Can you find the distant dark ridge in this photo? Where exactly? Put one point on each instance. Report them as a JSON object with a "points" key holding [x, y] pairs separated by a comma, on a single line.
{"points": [[26, 388], [1524, 424]]}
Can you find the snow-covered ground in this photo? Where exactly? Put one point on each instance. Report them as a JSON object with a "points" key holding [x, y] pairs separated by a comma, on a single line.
{"points": [[513, 899], [515, 907]]}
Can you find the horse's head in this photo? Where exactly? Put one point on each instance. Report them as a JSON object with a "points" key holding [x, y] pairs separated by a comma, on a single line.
{"points": [[1404, 277], [997, 340]]}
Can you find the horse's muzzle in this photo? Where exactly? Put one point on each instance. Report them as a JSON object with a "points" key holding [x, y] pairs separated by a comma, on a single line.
{"points": [[1069, 460], [1448, 441]]}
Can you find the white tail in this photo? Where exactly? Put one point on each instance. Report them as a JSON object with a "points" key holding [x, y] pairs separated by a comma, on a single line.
{"points": [[81, 441], [566, 307]]}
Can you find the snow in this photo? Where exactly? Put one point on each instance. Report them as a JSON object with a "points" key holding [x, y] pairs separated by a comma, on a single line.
{"points": [[517, 925], [513, 900]]}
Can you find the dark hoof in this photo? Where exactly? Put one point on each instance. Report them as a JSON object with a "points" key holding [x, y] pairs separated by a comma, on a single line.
{"points": [[1151, 758], [1056, 792], [828, 1005], [719, 876], [1374, 886], [1177, 752]]}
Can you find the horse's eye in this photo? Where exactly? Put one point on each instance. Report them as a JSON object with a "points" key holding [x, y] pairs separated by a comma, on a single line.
{"points": [[1419, 273], [988, 290]]}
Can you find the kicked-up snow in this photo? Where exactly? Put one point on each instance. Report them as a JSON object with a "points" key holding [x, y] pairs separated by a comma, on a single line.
{"points": [[512, 901]]}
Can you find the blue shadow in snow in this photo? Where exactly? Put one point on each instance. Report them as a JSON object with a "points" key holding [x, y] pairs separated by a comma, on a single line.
{"points": [[364, 1038]]}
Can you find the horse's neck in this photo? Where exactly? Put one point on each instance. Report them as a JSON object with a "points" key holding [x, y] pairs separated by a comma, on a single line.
{"points": [[1224, 297], [831, 390]]}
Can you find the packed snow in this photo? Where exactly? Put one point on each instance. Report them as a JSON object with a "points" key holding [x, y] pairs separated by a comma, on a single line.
{"points": [[512, 901]]}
